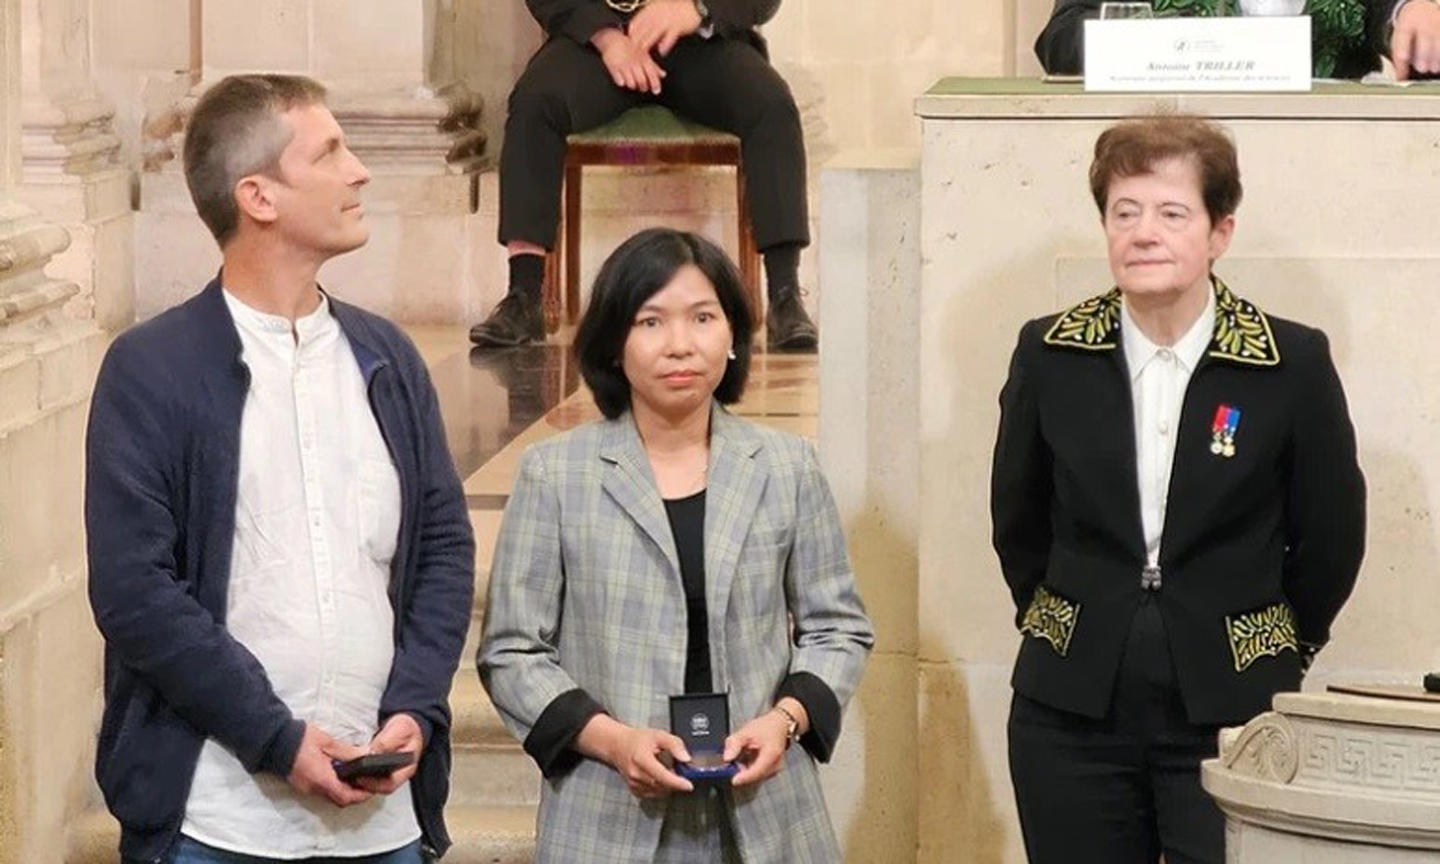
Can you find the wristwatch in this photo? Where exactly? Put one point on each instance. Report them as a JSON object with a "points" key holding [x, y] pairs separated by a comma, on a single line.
{"points": [[792, 727], [707, 23]]}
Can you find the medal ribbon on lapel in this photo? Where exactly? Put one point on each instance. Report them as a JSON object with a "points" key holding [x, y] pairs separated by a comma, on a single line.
{"points": [[1222, 431]]}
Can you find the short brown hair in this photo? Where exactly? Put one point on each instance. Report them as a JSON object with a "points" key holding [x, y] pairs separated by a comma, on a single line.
{"points": [[1134, 146], [236, 130]]}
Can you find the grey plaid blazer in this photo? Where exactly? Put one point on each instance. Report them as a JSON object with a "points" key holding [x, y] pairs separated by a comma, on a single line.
{"points": [[585, 591]]}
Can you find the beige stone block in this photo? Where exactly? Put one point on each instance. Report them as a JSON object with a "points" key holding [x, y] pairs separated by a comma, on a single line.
{"points": [[62, 29], [67, 373], [49, 705], [413, 269], [873, 783], [843, 109], [141, 35], [967, 811], [278, 37], [177, 257], [40, 503], [1030, 18], [895, 86], [858, 35], [113, 281], [68, 198], [870, 259], [377, 42], [784, 33], [977, 42], [408, 195], [19, 389]]}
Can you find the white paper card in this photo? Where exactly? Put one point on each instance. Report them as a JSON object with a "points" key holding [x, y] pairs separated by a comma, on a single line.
{"points": [[1198, 54]]}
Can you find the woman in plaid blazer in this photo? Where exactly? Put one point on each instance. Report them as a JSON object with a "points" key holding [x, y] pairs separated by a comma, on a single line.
{"points": [[672, 548]]}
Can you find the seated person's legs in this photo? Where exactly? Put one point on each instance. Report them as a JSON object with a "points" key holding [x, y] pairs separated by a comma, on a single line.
{"points": [[728, 84], [565, 88]]}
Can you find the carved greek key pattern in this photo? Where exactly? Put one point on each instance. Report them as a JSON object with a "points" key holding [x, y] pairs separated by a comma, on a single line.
{"points": [[1375, 759], [1051, 617]]}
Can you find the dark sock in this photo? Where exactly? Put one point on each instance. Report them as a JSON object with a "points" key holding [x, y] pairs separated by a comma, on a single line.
{"points": [[527, 274], [782, 267]]}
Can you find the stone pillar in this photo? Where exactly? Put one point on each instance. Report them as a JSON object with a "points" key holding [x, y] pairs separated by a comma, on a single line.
{"points": [[49, 653], [869, 440], [1330, 778], [417, 134], [70, 172]]}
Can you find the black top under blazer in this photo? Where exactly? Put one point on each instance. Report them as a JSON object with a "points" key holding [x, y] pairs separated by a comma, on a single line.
{"points": [[1259, 550]]}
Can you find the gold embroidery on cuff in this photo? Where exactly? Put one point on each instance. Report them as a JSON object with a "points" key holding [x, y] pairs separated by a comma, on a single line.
{"points": [[1052, 618], [1264, 632]]}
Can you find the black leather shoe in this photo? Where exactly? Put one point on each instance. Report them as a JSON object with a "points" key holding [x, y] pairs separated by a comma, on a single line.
{"points": [[515, 320], [787, 326]]}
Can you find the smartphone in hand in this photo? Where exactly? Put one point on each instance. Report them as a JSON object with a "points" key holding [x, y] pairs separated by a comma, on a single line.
{"points": [[371, 765]]}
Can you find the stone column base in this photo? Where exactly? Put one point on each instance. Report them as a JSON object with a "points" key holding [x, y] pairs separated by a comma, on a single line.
{"points": [[1328, 777]]}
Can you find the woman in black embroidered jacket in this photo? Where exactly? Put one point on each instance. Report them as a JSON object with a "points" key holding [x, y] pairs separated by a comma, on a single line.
{"points": [[1177, 509]]}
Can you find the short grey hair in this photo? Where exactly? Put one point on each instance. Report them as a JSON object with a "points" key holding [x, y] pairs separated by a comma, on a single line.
{"points": [[235, 131]]}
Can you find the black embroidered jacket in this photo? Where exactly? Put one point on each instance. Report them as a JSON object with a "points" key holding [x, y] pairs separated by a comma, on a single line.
{"points": [[1260, 547]]}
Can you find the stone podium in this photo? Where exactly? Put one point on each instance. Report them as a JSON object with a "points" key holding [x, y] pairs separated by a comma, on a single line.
{"points": [[1327, 778]]}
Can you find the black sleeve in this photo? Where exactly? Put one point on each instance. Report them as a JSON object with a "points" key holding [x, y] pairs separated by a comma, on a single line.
{"points": [[732, 16], [821, 707], [1060, 46], [1325, 508], [1378, 15], [1021, 479], [557, 728], [575, 19]]}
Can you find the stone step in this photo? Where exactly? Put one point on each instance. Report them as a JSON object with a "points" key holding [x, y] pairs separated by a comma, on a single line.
{"points": [[474, 720], [491, 835], [486, 525], [490, 768], [493, 777], [482, 835]]}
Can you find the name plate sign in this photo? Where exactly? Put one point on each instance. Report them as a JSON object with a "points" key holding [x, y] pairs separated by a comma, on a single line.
{"points": [[1198, 54]]}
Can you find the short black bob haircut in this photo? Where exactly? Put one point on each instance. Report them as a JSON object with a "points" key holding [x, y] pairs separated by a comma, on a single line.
{"points": [[634, 273]]}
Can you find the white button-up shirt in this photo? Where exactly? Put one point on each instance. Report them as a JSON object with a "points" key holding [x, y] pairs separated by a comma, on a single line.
{"points": [[316, 524], [1158, 378]]}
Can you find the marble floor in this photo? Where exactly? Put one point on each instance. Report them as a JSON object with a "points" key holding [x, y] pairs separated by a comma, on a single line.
{"points": [[496, 403]]}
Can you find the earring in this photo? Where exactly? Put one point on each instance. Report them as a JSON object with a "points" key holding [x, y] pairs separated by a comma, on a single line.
{"points": [[731, 355]]}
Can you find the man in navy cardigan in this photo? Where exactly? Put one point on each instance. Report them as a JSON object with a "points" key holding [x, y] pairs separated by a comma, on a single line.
{"points": [[281, 561]]}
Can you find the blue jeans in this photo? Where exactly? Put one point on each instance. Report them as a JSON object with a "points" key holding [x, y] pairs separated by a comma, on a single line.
{"points": [[187, 851]]}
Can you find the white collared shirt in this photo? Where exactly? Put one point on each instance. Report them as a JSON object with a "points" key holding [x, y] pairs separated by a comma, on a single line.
{"points": [[1158, 378], [316, 524]]}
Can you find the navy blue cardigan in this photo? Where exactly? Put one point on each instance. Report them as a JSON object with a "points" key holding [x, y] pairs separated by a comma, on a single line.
{"points": [[162, 464]]}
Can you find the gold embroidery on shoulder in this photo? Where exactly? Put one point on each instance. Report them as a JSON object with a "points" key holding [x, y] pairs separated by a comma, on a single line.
{"points": [[1262, 633], [1092, 326], [1242, 332], [1052, 618]]}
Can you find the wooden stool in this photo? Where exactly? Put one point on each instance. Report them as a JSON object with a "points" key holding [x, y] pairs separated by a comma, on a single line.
{"points": [[644, 136]]}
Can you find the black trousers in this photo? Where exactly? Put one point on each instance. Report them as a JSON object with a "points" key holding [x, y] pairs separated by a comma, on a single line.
{"points": [[1124, 788], [723, 83]]}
